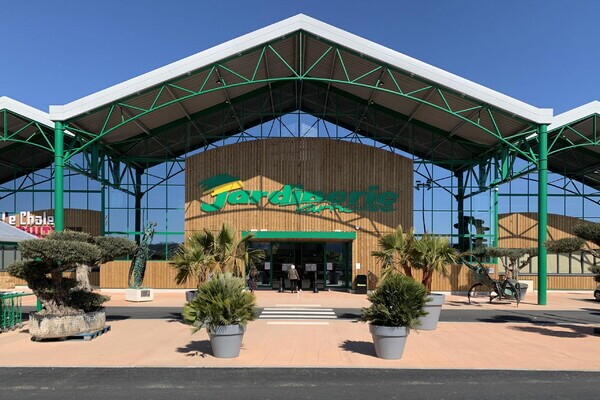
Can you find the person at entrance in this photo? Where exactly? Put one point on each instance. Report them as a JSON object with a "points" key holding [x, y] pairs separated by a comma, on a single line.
{"points": [[251, 278], [293, 277]]}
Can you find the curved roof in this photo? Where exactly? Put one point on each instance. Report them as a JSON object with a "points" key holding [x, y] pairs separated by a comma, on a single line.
{"points": [[301, 64], [573, 144], [24, 131], [280, 30]]}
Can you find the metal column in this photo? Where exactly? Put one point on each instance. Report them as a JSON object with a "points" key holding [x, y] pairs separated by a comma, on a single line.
{"points": [[59, 161], [542, 212]]}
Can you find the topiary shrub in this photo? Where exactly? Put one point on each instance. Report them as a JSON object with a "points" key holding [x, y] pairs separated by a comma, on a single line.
{"points": [[47, 259], [398, 301]]}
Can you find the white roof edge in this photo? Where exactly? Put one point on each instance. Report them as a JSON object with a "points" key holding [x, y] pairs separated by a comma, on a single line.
{"points": [[575, 114], [6, 103], [316, 27], [10, 234]]}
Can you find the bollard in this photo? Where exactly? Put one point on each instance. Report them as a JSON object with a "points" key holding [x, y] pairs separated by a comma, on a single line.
{"points": [[281, 285], [315, 289]]}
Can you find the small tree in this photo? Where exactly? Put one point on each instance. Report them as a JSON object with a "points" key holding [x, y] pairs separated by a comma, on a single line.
{"points": [[431, 254], [207, 253], [512, 258], [396, 253], [47, 259], [588, 231]]}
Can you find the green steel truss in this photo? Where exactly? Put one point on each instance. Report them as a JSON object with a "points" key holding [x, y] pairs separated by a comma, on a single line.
{"points": [[224, 77]]}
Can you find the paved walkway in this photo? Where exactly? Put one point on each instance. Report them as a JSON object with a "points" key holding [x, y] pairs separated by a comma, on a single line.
{"points": [[325, 343]]}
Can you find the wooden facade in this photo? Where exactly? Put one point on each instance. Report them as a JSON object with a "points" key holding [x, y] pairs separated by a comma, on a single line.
{"points": [[520, 230], [316, 165]]}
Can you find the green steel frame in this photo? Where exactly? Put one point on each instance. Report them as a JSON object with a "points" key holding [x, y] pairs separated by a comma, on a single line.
{"points": [[109, 163]]}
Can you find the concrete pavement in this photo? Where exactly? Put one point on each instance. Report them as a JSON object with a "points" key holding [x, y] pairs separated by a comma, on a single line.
{"points": [[325, 343]]}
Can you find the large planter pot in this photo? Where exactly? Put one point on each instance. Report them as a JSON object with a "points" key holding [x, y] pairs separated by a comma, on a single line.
{"points": [[433, 307], [52, 326], [389, 341], [190, 295], [226, 340]]}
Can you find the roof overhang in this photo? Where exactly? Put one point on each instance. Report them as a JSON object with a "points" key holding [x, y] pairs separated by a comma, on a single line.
{"points": [[281, 29]]}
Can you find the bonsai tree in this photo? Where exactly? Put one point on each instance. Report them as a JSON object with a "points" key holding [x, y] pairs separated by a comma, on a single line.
{"points": [[511, 258], [47, 259], [589, 231], [220, 301], [396, 253], [432, 254], [207, 253], [398, 301]]}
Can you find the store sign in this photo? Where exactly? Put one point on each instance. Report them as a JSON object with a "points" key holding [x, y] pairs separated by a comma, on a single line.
{"points": [[226, 189], [37, 225]]}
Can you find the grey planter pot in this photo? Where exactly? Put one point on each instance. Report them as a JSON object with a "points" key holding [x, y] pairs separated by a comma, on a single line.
{"points": [[433, 308], [226, 340], [190, 295], [389, 341]]}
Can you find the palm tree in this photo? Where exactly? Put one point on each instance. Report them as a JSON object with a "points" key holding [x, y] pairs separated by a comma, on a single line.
{"points": [[207, 253], [432, 253], [396, 252]]}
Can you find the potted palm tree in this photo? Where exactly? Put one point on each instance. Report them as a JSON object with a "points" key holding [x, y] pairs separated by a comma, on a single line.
{"points": [[396, 252], [396, 307], [432, 253], [401, 252], [224, 308], [207, 253]]}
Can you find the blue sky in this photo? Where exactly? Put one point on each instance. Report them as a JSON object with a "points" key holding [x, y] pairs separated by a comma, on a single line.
{"points": [[545, 53]]}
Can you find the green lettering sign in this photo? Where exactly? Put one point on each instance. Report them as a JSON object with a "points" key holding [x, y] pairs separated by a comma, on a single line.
{"points": [[230, 191]]}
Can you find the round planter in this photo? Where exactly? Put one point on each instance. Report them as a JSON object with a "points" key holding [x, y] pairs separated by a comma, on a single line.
{"points": [[389, 341], [433, 307], [226, 340], [190, 295], [52, 326]]}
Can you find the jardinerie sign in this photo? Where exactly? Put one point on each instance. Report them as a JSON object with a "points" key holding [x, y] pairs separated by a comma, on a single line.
{"points": [[226, 189]]}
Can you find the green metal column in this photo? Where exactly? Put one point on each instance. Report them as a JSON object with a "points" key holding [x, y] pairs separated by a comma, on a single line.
{"points": [[542, 213], [59, 160]]}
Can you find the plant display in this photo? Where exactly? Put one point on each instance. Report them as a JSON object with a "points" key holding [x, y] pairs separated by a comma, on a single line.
{"points": [[431, 254], [396, 252], [589, 231], [47, 259], [207, 253], [511, 258], [220, 301], [402, 252], [398, 301]]}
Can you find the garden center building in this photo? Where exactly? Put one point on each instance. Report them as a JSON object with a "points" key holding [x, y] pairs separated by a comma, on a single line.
{"points": [[316, 142]]}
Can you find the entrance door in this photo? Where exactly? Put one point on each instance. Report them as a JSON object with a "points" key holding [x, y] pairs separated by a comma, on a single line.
{"points": [[321, 264], [312, 265], [283, 255]]}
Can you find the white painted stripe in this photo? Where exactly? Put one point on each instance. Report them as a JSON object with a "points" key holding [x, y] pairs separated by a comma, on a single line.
{"points": [[296, 323], [298, 305], [299, 312], [300, 316], [299, 309]]}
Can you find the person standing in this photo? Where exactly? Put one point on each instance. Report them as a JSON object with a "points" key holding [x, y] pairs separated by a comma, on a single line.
{"points": [[293, 277], [252, 275]]}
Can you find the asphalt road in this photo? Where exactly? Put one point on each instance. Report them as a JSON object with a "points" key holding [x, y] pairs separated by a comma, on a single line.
{"points": [[589, 316], [292, 383]]}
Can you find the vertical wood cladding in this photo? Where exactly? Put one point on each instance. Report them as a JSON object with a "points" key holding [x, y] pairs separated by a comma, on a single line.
{"points": [[317, 165], [520, 230]]}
